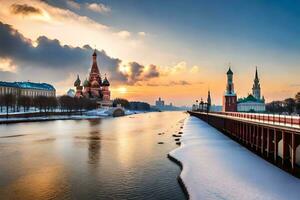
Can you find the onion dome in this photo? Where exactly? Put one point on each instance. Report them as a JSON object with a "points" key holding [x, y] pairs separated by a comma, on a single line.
{"points": [[86, 83], [229, 71], [77, 82], [105, 82]]}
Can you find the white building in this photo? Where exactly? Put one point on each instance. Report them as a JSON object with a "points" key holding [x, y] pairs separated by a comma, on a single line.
{"points": [[27, 89], [253, 102]]}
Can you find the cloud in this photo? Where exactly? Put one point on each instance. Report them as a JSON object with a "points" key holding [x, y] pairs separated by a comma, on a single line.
{"points": [[58, 20], [98, 7], [24, 9], [136, 72], [171, 83], [152, 71], [136, 69], [53, 61], [142, 33], [123, 34], [180, 83], [73, 4], [295, 85], [7, 65]]}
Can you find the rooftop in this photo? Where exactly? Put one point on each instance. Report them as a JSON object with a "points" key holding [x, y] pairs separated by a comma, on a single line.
{"points": [[28, 85], [249, 98]]}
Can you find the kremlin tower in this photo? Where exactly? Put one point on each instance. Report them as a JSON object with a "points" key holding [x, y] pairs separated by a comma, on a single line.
{"points": [[229, 98], [94, 87], [256, 86]]}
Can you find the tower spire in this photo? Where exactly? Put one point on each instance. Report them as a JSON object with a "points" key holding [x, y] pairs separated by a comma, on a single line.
{"points": [[95, 54], [208, 98], [256, 86], [256, 74], [95, 68]]}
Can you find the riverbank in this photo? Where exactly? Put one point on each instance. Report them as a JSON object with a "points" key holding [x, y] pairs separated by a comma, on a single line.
{"points": [[36, 116], [216, 167]]}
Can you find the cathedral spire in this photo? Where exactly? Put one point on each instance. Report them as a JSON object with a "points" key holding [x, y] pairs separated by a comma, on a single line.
{"points": [[95, 68], [95, 53], [256, 74]]}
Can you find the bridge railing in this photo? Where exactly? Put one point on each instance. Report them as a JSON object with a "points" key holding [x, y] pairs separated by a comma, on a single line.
{"points": [[285, 120]]}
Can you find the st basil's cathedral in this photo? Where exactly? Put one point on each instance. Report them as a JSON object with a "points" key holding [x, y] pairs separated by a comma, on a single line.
{"points": [[94, 87]]}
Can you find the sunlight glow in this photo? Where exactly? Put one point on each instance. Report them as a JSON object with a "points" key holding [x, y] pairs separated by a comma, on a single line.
{"points": [[124, 69], [122, 90]]}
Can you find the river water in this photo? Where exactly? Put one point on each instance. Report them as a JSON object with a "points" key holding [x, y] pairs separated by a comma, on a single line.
{"points": [[115, 158]]}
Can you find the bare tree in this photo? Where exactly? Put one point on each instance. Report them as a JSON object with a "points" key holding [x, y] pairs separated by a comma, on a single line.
{"points": [[290, 105], [1, 102], [9, 101], [25, 102], [297, 100]]}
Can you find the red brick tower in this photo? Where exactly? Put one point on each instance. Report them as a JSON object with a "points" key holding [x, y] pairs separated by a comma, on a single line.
{"points": [[229, 98]]}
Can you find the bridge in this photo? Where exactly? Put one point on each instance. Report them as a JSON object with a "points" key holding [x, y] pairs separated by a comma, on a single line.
{"points": [[275, 138]]}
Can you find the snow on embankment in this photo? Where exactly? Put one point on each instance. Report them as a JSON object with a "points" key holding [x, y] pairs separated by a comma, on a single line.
{"points": [[215, 167]]}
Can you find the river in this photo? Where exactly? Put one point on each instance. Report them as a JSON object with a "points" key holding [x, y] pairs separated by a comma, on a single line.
{"points": [[113, 158]]}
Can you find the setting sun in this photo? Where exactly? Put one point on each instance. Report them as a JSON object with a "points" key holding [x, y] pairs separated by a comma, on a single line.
{"points": [[122, 90]]}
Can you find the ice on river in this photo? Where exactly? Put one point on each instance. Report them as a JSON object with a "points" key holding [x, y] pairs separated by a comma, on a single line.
{"points": [[216, 167]]}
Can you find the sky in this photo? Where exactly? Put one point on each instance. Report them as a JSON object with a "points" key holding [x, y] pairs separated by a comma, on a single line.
{"points": [[172, 49]]}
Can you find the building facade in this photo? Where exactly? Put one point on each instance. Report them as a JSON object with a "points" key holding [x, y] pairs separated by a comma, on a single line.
{"points": [[229, 98], [160, 102], [94, 87], [253, 102], [29, 89]]}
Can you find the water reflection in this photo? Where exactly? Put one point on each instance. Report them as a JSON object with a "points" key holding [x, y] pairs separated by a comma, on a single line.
{"points": [[116, 158], [94, 147], [94, 142]]}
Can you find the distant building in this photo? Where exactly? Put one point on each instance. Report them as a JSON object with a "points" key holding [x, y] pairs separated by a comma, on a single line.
{"points": [[208, 101], [27, 89], [160, 103], [253, 102], [71, 93], [94, 87], [162, 106], [229, 98]]}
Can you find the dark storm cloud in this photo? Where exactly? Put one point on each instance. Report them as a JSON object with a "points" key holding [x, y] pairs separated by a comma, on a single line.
{"points": [[139, 72], [136, 69], [52, 60], [152, 72], [24, 9]]}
